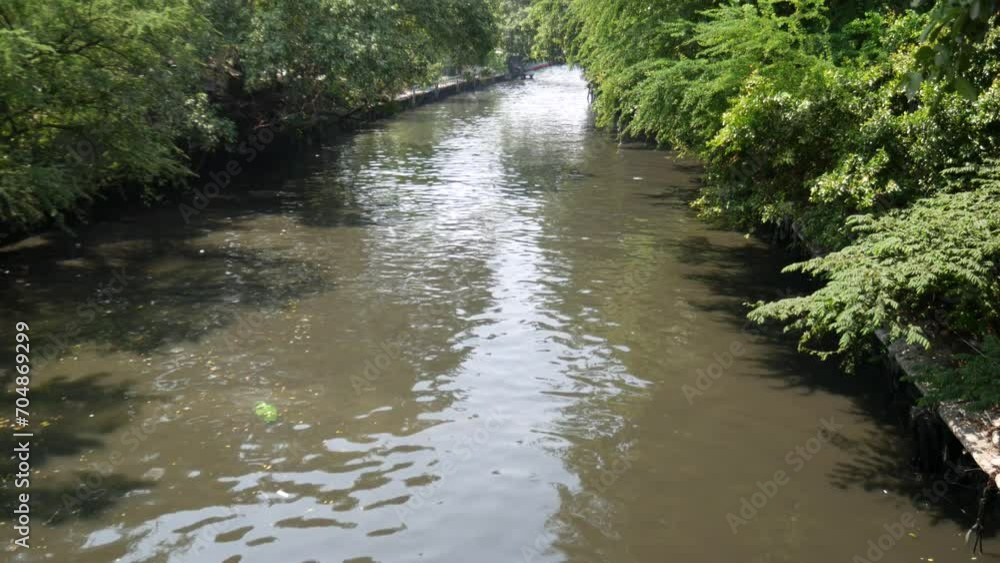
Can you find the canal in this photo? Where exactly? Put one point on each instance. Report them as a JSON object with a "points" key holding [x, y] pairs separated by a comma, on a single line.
{"points": [[489, 334]]}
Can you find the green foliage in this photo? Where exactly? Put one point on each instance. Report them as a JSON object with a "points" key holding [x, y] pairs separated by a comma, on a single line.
{"points": [[96, 94], [554, 26], [972, 380], [266, 412], [937, 260], [325, 55], [515, 27], [121, 92], [953, 28], [836, 123]]}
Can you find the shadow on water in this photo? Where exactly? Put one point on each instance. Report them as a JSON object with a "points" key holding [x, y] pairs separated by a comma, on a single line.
{"points": [[128, 287], [70, 418], [882, 460], [147, 283], [151, 290], [674, 197]]}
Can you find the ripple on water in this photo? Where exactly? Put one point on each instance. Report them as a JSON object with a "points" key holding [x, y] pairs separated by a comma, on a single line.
{"points": [[466, 317]]}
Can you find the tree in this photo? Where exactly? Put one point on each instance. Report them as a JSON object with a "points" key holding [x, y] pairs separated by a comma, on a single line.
{"points": [[120, 93], [97, 94], [813, 124]]}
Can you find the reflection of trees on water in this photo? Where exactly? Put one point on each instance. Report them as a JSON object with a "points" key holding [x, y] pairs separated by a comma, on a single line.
{"points": [[607, 306], [225, 279]]}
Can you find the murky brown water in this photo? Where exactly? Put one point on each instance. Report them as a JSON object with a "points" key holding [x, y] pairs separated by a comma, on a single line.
{"points": [[477, 321]]}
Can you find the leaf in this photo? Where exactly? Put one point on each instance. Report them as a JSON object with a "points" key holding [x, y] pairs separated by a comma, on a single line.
{"points": [[266, 412], [924, 55], [914, 80], [966, 88]]}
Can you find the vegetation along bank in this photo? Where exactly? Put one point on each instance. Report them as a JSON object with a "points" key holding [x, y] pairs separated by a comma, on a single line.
{"points": [[127, 97], [868, 130]]}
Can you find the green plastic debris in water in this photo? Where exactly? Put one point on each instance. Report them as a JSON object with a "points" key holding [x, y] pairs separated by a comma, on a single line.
{"points": [[266, 411]]}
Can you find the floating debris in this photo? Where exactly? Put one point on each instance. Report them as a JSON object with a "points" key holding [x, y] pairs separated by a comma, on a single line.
{"points": [[266, 412]]}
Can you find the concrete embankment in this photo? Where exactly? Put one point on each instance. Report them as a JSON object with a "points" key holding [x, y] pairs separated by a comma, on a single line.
{"points": [[455, 85], [446, 88], [977, 432]]}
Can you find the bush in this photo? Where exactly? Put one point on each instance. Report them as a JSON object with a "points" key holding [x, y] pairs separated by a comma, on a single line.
{"points": [[971, 379], [92, 101], [934, 262], [842, 122]]}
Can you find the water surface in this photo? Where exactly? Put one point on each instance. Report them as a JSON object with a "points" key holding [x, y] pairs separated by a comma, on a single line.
{"points": [[484, 326]]}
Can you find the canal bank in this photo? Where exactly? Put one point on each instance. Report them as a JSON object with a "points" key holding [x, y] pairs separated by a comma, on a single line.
{"points": [[261, 138], [948, 439], [455, 85], [976, 434]]}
